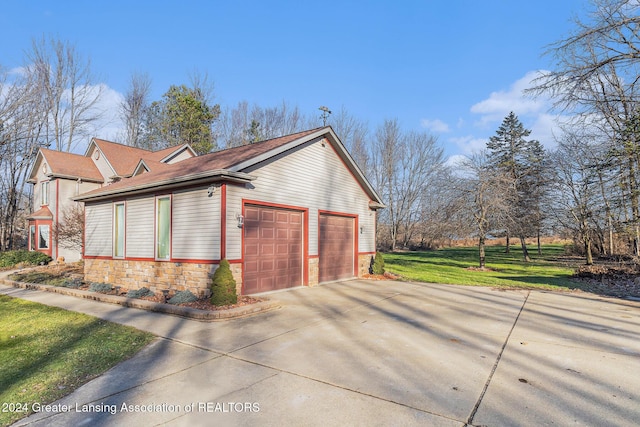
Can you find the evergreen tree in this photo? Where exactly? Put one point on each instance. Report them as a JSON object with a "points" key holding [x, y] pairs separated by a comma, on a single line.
{"points": [[523, 161], [223, 285], [182, 116]]}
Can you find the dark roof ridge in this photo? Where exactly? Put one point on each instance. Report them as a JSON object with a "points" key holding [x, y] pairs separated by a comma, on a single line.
{"points": [[293, 136]]}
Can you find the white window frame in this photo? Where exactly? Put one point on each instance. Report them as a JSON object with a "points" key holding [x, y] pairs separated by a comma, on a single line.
{"points": [[119, 239], [158, 242], [44, 193], [48, 235], [33, 241]]}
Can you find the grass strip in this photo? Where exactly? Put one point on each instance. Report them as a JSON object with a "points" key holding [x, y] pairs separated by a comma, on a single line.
{"points": [[47, 352], [504, 270]]}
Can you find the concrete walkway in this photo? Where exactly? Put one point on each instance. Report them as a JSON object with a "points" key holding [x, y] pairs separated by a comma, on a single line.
{"points": [[371, 353]]}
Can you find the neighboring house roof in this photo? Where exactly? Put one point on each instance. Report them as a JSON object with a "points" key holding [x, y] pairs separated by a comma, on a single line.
{"points": [[67, 165], [124, 159], [230, 165], [42, 213]]}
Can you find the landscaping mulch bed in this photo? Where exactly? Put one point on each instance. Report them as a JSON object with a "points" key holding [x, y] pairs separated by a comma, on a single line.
{"points": [[59, 272], [205, 304], [619, 279], [385, 276]]}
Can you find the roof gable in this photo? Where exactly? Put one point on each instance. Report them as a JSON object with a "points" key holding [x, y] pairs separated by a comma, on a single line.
{"points": [[233, 163], [66, 165], [174, 154], [124, 160]]}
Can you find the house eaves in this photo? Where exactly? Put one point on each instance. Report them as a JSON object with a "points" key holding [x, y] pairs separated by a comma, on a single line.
{"points": [[42, 213], [75, 178], [206, 177]]}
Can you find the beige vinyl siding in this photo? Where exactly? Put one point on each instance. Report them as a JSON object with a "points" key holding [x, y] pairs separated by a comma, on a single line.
{"points": [[37, 187], [140, 222], [102, 164], [196, 224], [98, 231], [185, 154], [68, 188], [313, 177]]}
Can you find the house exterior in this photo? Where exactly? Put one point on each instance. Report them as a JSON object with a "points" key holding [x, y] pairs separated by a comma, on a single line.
{"points": [[57, 177], [285, 212]]}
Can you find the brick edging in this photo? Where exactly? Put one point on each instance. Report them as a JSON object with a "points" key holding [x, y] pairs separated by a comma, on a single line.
{"points": [[191, 313]]}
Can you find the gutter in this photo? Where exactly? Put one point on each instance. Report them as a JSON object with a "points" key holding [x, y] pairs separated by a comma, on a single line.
{"points": [[206, 177]]}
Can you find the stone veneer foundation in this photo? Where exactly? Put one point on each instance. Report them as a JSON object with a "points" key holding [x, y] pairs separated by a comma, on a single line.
{"points": [[365, 261], [156, 275], [179, 276]]}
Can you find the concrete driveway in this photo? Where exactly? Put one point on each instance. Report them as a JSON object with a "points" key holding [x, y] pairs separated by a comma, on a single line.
{"points": [[372, 353]]}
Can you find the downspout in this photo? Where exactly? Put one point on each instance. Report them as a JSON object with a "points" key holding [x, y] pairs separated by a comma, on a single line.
{"points": [[223, 221], [56, 219]]}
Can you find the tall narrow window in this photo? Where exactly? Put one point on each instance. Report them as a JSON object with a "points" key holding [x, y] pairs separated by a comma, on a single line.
{"points": [[45, 193], [43, 237], [32, 237], [163, 227], [118, 231]]}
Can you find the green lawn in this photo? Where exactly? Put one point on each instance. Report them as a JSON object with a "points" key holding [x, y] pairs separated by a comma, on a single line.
{"points": [[452, 266], [47, 352]]}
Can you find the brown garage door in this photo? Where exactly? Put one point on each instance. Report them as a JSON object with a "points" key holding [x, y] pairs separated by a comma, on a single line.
{"points": [[272, 249], [336, 247]]}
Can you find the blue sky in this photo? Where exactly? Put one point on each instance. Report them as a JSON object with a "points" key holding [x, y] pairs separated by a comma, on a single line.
{"points": [[454, 68]]}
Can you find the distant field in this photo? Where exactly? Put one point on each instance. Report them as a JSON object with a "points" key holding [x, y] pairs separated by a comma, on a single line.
{"points": [[458, 266]]}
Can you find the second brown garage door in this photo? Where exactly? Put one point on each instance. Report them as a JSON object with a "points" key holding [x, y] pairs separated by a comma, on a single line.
{"points": [[272, 249], [336, 247]]}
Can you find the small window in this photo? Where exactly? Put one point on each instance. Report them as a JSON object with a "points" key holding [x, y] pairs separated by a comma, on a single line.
{"points": [[32, 237], [163, 227], [118, 231], [44, 193], [43, 237]]}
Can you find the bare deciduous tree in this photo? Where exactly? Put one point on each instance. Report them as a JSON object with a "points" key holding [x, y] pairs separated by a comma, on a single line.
{"points": [[69, 232], [404, 166], [353, 133], [132, 108], [577, 200], [487, 193], [595, 77], [244, 125], [68, 91], [22, 122]]}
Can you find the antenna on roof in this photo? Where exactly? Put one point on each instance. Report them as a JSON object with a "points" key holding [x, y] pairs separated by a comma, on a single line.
{"points": [[325, 114]]}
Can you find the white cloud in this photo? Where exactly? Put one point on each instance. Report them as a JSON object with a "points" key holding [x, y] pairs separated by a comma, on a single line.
{"points": [[500, 103], [456, 162], [469, 144], [107, 124], [545, 129], [532, 112], [106, 110], [17, 71], [435, 125]]}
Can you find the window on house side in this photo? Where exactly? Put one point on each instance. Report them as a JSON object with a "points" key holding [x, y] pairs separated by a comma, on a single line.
{"points": [[118, 231], [32, 237], [163, 227], [43, 237], [45, 193]]}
